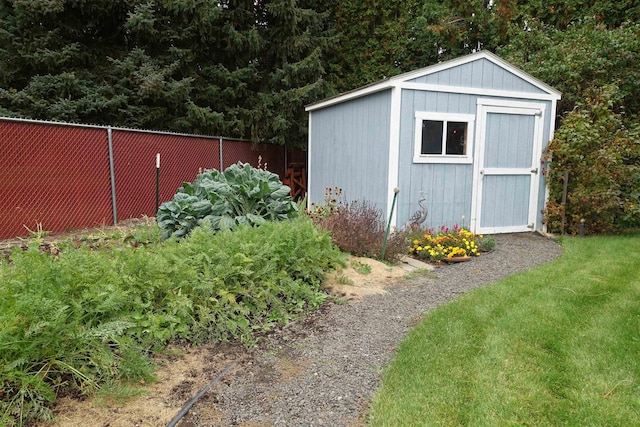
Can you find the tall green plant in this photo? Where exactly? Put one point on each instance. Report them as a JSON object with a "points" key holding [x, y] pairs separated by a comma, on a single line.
{"points": [[240, 195]]}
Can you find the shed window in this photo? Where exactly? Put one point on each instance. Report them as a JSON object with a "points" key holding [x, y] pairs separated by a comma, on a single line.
{"points": [[443, 138]]}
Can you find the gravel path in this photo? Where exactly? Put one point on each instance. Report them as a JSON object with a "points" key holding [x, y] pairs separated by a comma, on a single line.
{"points": [[324, 370]]}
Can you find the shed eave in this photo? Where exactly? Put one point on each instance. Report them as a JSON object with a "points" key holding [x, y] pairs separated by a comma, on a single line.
{"points": [[346, 96], [556, 94]]}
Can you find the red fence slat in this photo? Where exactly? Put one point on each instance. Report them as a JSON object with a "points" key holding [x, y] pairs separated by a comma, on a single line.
{"points": [[181, 158], [54, 175]]}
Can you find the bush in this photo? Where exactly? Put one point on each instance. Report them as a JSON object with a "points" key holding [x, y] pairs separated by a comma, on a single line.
{"points": [[240, 195], [600, 150], [358, 228], [71, 322]]}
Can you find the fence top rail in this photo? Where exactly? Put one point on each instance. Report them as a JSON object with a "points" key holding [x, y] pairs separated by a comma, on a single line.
{"points": [[157, 132]]}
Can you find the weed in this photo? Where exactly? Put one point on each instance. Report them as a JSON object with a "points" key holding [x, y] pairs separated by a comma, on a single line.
{"points": [[332, 200], [38, 234], [118, 392], [486, 244], [419, 272], [358, 228], [361, 267], [343, 279]]}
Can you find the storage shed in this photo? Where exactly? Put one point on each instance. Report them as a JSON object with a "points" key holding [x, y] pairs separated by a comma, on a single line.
{"points": [[463, 137]]}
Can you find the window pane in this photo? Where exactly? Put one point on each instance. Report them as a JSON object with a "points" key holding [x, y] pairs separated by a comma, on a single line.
{"points": [[431, 137], [457, 138]]}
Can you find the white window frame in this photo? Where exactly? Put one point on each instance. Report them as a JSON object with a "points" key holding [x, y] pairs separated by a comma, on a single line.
{"points": [[420, 116]]}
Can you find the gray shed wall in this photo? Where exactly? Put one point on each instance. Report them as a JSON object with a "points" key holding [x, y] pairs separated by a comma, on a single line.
{"points": [[350, 149], [446, 187]]}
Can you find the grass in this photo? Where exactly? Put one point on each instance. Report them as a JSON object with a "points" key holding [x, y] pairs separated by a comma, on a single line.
{"points": [[419, 272], [557, 345]]}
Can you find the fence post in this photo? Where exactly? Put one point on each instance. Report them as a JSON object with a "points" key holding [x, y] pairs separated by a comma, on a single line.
{"points": [[565, 187], [221, 162], [157, 183], [112, 176]]}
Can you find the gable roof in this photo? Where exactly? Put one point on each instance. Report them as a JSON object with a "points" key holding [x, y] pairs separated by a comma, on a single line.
{"points": [[406, 77]]}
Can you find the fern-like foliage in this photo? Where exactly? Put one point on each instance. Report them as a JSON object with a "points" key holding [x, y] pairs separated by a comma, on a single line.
{"points": [[72, 323]]}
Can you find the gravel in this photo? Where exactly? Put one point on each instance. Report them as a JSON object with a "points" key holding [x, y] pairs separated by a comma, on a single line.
{"points": [[324, 370]]}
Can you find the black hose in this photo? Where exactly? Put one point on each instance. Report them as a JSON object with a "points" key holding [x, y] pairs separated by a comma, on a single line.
{"points": [[195, 398]]}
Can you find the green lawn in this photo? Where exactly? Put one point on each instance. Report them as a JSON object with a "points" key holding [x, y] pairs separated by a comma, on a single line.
{"points": [[557, 345]]}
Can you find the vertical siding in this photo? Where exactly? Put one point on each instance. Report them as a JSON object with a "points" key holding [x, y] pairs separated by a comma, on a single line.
{"points": [[446, 187], [350, 149], [350, 142], [481, 74], [507, 203]]}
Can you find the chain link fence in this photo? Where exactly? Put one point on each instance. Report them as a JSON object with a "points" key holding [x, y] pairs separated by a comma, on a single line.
{"points": [[61, 177]]}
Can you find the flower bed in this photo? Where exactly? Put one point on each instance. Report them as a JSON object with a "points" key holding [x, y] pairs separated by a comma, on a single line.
{"points": [[445, 243]]}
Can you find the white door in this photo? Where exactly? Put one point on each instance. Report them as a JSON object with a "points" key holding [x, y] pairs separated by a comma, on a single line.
{"points": [[507, 164]]}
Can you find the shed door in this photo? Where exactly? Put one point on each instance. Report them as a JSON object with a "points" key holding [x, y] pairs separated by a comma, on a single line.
{"points": [[507, 163]]}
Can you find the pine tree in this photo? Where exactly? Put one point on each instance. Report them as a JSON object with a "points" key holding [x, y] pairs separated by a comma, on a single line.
{"points": [[48, 54], [240, 68], [377, 40], [292, 68]]}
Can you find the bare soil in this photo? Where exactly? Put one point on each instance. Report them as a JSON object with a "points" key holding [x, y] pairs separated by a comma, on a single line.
{"points": [[363, 276]]}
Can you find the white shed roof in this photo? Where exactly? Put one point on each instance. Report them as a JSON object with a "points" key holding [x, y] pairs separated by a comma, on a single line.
{"points": [[405, 77]]}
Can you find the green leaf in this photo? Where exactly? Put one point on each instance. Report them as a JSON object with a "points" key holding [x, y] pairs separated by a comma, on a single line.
{"points": [[255, 219]]}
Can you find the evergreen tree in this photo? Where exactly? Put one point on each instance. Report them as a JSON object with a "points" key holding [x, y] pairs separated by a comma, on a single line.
{"points": [[49, 54], [376, 40], [292, 68], [240, 68]]}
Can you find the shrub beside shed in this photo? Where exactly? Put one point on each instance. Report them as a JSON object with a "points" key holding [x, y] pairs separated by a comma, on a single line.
{"points": [[466, 135]]}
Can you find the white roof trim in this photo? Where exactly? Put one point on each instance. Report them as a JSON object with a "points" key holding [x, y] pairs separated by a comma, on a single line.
{"points": [[405, 77], [477, 91]]}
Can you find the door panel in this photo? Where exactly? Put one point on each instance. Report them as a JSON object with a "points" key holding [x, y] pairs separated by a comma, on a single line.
{"points": [[505, 181], [505, 201], [508, 141]]}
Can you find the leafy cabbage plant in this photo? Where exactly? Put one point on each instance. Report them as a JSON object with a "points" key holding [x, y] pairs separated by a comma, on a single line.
{"points": [[241, 194]]}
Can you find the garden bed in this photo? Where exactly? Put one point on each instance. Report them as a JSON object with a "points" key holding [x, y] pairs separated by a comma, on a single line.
{"points": [[85, 314], [184, 370]]}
